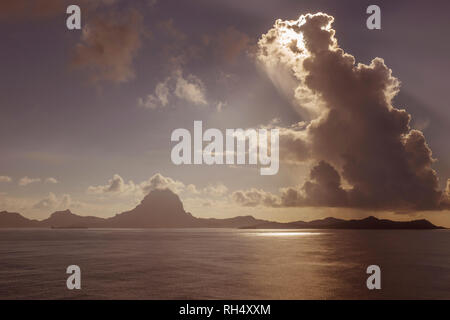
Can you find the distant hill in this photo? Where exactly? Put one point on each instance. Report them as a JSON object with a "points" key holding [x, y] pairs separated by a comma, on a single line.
{"points": [[162, 208], [67, 219], [333, 223], [15, 220], [159, 209]]}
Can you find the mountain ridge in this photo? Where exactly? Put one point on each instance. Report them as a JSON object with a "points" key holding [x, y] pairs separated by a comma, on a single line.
{"points": [[370, 222], [162, 208]]}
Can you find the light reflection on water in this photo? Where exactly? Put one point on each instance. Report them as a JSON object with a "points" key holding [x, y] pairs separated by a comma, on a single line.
{"points": [[283, 233], [224, 264]]}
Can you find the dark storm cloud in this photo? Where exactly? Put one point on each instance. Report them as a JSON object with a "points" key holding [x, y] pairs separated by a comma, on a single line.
{"points": [[109, 40], [108, 46], [182, 47], [293, 145], [18, 10], [323, 189], [446, 202], [228, 44], [358, 134]]}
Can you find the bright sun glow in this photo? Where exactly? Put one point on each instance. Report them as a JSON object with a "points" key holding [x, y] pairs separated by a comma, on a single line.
{"points": [[288, 35], [292, 42]]}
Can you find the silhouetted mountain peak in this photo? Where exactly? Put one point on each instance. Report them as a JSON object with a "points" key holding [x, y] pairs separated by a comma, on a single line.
{"points": [[371, 218], [162, 198], [330, 219], [161, 203], [160, 208], [61, 213]]}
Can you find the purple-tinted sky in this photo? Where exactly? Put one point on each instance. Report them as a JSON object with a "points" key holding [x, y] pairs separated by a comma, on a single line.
{"points": [[83, 107]]}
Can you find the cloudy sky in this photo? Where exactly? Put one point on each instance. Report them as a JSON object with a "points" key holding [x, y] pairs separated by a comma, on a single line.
{"points": [[87, 115]]}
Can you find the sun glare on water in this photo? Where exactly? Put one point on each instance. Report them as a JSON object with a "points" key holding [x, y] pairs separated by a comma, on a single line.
{"points": [[283, 234]]}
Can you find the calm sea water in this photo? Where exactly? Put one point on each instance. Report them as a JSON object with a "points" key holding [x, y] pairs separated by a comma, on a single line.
{"points": [[224, 264]]}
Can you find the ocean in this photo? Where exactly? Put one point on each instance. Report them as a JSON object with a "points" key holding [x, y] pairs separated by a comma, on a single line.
{"points": [[224, 263]]}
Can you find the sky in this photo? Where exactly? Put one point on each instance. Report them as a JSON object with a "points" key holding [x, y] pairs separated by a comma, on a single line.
{"points": [[87, 115]]}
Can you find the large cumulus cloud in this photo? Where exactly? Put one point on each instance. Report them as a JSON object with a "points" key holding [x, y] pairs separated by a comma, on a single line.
{"points": [[355, 134]]}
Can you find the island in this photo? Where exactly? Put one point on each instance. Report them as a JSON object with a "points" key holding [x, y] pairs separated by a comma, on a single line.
{"points": [[162, 208]]}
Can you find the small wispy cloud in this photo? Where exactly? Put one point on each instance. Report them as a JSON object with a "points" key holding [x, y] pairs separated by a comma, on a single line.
{"points": [[177, 86], [5, 179], [26, 181], [51, 180]]}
